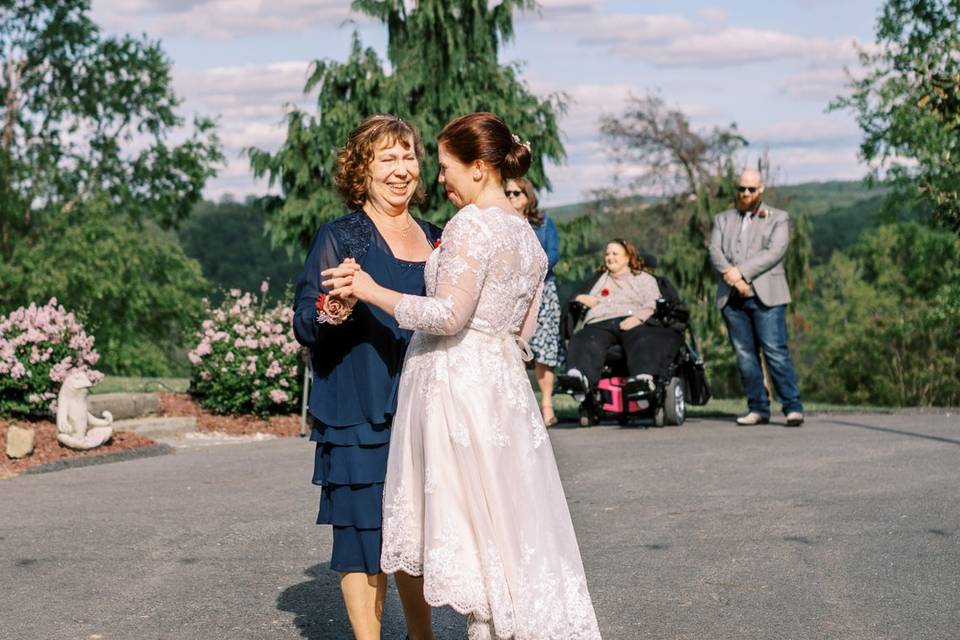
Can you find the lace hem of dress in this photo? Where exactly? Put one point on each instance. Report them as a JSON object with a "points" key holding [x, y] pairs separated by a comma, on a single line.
{"points": [[479, 613]]}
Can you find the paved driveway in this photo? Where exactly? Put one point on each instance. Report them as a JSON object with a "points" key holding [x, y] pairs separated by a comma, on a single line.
{"points": [[846, 528]]}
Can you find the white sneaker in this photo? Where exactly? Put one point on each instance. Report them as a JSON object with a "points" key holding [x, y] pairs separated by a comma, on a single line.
{"points": [[752, 419], [578, 383], [794, 419]]}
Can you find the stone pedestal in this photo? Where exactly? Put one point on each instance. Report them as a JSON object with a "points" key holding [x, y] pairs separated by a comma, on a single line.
{"points": [[123, 406], [158, 428], [19, 442]]}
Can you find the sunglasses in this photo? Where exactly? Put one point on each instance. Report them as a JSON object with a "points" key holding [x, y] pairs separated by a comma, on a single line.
{"points": [[741, 189], [513, 194]]}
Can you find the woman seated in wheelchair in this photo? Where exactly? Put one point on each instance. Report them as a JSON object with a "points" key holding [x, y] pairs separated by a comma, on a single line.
{"points": [[619, 302]]}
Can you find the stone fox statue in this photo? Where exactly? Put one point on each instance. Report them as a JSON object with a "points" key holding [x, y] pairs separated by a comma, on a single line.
{"points": [[77, 428]]}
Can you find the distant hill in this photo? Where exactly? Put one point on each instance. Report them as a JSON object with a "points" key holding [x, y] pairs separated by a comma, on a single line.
{"points": [[819, 198], [838, 210], [228, 240]]}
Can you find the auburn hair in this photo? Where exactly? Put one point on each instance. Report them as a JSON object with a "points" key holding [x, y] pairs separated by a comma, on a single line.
{"points": [[634, 259], [485, 136], [352, 179]]}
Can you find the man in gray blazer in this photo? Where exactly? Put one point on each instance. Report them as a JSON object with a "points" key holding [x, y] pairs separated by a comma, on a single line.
{"points": [[747, 247]]}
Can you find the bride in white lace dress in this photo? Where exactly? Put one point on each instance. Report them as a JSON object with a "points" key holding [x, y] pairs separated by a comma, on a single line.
{"points": [[472, 500]]}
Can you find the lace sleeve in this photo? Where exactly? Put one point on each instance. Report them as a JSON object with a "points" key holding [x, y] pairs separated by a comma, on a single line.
{"points": [[533, 313], [460, 273]]}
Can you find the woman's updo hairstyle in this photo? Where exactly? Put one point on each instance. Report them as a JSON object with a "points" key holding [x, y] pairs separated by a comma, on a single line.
{"points": [[484, 136]]}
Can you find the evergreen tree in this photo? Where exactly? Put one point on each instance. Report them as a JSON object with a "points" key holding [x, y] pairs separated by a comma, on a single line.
{"points": [[443, 57]]}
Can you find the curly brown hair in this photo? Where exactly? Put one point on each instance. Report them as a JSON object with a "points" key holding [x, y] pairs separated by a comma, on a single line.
{"points": [[532, 211], [352, 179], [635, 260]]}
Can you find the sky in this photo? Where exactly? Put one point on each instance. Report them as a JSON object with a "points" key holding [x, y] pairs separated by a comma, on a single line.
{"points": [[771, 68]]}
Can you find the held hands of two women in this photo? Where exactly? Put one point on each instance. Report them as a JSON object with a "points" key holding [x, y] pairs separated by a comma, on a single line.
{"points": [[349, 282]]}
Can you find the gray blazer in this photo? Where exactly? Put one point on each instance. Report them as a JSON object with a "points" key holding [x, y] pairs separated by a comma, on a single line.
{"points": [[758, 255]]}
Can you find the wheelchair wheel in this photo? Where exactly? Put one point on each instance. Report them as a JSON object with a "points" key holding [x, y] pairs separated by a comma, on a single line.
{"points": [[587, 419], [675, 404]]}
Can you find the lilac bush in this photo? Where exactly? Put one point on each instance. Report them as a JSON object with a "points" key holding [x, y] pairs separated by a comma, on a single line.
{"points": [[39, 348], [246, 359]]}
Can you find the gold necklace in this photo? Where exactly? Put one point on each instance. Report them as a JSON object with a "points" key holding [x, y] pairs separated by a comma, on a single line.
{"points": [[403, 232]]}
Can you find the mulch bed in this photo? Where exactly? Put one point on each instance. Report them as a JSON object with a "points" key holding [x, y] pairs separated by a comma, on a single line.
{"points": [[181, 404], [47, 449]]}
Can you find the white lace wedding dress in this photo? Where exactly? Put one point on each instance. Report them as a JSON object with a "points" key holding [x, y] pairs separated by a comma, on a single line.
{"points": [[472, 499]]}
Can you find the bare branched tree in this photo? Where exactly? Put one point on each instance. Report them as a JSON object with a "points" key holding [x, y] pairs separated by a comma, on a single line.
{"points": [[659, 143]]}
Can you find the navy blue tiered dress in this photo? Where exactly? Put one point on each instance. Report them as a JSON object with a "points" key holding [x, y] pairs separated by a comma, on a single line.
{"points": [[356, 371]]}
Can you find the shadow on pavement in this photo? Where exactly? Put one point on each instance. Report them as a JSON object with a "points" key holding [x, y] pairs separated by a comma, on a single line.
{"points": [[925, 436], [320, 614], [317, 604]]}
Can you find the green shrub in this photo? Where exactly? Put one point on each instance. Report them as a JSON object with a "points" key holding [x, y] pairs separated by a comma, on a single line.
{"points": [[133, 286], [246, 359], [39, 347], [886, 321]]}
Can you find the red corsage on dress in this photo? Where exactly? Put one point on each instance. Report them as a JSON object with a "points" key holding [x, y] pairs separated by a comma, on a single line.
{"points": [[332, 310], [605, 292]]}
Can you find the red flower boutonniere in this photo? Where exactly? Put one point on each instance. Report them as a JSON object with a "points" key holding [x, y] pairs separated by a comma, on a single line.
{"points": [[331, 310], [436, 243], [605, 292], [762, 213]]}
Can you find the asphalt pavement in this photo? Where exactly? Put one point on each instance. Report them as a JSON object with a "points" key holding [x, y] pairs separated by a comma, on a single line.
{"points": [[848, 527]]}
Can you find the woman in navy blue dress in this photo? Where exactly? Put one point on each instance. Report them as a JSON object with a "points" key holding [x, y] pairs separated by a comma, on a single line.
{"points": [[357, 350]]}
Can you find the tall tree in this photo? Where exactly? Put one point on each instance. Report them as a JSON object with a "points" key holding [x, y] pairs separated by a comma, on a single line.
{"points": [[908, 104], [88, 172], [444, 63], [85, 116], [665, 150]]}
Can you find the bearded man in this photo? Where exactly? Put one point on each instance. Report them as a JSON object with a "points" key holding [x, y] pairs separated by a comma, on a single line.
{"points": [[747, 247]]}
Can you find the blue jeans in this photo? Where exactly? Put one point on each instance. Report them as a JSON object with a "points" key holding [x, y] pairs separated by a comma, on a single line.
{"points": [[753, 326]]}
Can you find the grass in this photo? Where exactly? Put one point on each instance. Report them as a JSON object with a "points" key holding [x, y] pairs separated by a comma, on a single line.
{"points": [[566, 408], [120, 384], [564, 405]]}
